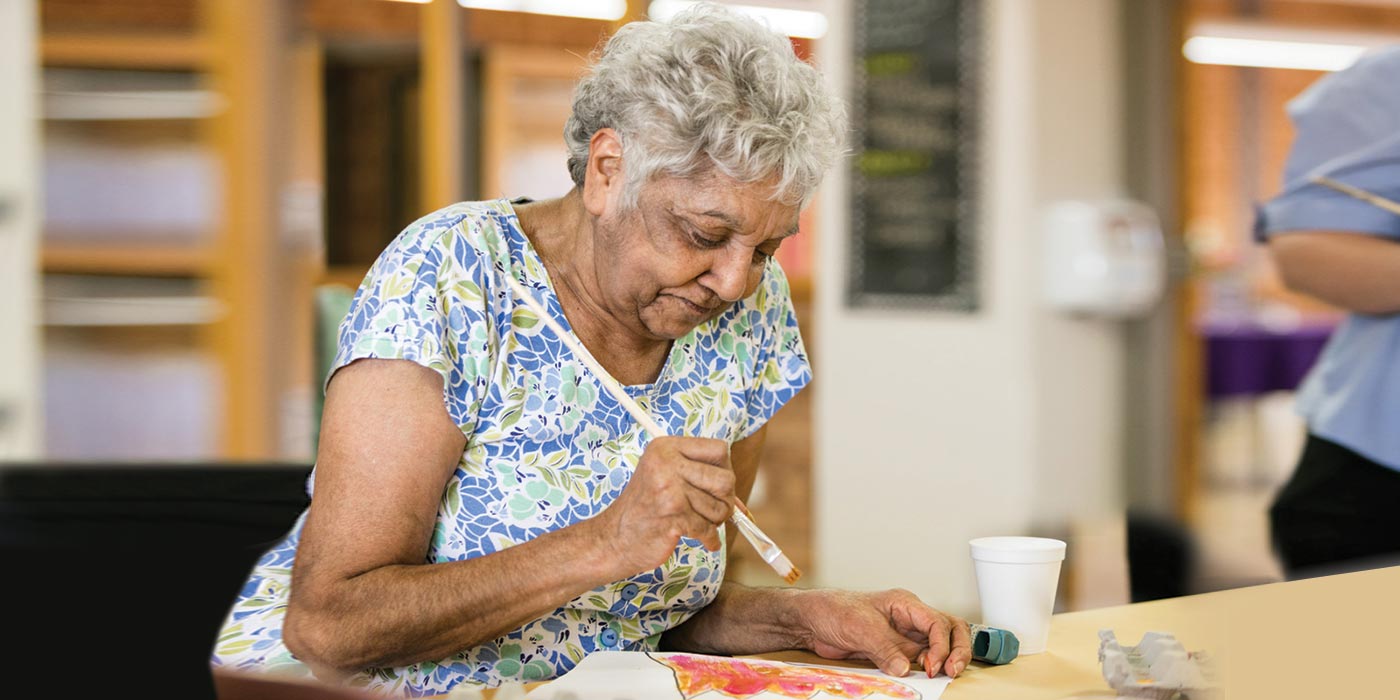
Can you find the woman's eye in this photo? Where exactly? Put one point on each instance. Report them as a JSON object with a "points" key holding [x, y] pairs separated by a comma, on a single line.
{"points": [[761, 256], [703, 242]]}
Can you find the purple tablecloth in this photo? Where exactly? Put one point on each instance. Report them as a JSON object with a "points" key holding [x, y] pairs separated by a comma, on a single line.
{"points": [[1249, 360]]}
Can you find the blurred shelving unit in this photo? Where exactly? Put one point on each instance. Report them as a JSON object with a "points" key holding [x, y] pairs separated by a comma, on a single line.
{"points": [[135, 49], [192, 140], [130, 199], [174, 211], [208, 164]]}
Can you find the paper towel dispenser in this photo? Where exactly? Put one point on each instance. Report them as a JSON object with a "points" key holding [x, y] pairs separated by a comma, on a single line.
{"points": [[1103, 257]]}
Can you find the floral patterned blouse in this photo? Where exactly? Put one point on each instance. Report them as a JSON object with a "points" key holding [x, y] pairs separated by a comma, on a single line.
{"points": [[546, 447]]}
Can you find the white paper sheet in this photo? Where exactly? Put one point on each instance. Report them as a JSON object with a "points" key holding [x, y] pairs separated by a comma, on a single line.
{"points": [[625, 675]]}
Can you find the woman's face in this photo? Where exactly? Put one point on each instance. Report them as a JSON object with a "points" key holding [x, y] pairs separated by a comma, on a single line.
{"points": [[689, 250]]}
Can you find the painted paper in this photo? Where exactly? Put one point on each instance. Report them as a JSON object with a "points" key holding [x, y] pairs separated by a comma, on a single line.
{"points": [[679, 676]]}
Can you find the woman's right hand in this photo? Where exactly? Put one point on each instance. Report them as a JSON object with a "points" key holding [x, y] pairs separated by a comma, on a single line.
{"points": [[682, 487]]}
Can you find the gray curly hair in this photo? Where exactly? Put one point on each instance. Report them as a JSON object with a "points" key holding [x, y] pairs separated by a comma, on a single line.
{"points": [[710, 89]]}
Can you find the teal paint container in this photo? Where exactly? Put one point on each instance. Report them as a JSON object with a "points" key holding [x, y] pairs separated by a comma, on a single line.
{"points": [[993, 645]]}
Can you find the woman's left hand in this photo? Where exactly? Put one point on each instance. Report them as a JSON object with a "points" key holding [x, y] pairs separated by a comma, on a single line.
{"points": [[889, 628]]}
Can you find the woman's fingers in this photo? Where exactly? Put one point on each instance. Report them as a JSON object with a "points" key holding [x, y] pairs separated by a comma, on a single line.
{"points": [[706, 450], [708, 506], [961, 654], [713, 510], [939, 631], [949, 645], [890, 628], [682, 487], [717, 482], [892, 652], [709, 538], [703, 464]]}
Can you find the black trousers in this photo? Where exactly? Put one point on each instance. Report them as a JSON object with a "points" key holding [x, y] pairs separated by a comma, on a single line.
{"points": [[1339, 512]]}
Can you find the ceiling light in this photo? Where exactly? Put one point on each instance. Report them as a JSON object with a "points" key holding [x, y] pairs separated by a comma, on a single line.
{"points": [[1270, 54], [1278, 47]]}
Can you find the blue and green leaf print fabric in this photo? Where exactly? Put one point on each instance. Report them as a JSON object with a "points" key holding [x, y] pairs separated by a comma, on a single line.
{"points": [[547, 447]]}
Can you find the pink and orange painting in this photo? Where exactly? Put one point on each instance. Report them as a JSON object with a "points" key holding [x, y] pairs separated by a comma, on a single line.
{"points": [[746, 678]]}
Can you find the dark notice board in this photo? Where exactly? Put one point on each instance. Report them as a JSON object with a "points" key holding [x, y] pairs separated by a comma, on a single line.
{"points": [[914, 113]]}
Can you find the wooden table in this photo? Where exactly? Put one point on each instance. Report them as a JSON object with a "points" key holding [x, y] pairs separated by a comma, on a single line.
{"points": [[1328, 637]]}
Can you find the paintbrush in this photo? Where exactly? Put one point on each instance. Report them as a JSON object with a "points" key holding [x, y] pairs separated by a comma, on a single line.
{"points": [[1368, 197], [742, 519]]}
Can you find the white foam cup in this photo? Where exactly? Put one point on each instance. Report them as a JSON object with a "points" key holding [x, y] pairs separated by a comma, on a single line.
{"points": [[1016, 582]]}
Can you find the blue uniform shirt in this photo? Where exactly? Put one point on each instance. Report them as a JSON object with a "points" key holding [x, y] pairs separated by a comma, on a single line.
{"points": [[1348, 130]]}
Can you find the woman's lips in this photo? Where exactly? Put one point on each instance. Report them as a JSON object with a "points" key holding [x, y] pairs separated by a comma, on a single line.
{"points": [[695, 308]]}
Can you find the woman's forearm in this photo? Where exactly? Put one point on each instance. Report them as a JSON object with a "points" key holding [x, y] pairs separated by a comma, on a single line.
{"points": [[403, 614], [742, 620], [1356, 272]]}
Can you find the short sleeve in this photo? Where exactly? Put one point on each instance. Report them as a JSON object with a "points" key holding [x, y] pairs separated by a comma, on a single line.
{"points": [[423, 301], [1314, 207], [1347, 128], [781, 367]]}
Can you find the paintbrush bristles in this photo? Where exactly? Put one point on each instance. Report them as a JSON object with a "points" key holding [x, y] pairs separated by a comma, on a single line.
{"points": [[763, 544], [784, 567]]}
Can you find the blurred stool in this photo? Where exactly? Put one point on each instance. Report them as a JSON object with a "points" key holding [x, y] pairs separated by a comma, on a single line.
{"points": [[1162, 557]]}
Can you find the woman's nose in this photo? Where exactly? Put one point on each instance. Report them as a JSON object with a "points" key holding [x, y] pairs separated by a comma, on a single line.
{"points": [[729, 274]]}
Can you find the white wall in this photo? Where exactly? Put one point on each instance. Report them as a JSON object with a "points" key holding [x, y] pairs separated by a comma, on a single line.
{"points": [[19, 230], [932, 428]]}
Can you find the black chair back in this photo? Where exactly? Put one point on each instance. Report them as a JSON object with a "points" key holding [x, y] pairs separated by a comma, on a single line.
{"points": [[118, 576]]}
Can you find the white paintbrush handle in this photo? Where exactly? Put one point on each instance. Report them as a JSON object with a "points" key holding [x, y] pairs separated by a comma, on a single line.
{"points": [[602, 375]]}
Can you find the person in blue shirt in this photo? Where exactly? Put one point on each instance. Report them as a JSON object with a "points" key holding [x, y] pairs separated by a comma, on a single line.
{"points": [[1334, 233]]}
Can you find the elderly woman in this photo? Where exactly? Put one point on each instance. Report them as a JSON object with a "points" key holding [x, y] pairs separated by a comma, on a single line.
{"points": [[484, 511]]}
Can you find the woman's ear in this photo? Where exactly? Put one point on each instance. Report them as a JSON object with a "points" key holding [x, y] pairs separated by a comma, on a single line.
{"points": [[603, 180]]}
